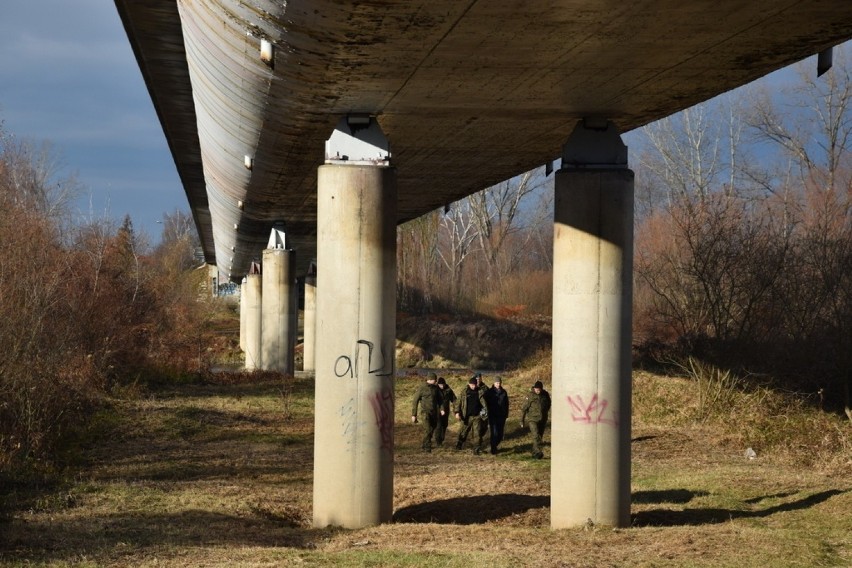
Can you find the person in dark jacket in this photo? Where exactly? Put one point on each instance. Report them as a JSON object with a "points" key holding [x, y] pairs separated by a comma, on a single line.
{"points": [[445, 408], [469, 410], [480, 384], [482, 388], [429, 399], [535, 410], [497, 401]]}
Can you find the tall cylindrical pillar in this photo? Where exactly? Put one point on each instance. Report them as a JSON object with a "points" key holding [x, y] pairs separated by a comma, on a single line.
{"points": [[356, 333], [309, 323], [278, 332], [293, 310], [243, 310], [253, 308], [592, 302]]}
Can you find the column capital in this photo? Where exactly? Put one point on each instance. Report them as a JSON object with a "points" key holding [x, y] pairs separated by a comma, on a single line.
{"points": [[594, 144], [277, 237], [358, 140]]}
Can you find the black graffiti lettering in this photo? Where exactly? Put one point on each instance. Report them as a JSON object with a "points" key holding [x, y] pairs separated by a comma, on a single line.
{"points": [[347, 370], [346, 367], [375, 370]]}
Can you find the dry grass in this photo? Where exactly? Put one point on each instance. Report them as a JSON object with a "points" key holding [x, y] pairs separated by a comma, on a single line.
{"points": [[220, 475]]}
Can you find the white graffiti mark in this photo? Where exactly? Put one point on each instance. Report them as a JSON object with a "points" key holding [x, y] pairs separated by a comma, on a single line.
{"points": [[347, 414]]}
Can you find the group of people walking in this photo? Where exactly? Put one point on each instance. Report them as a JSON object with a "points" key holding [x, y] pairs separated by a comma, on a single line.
{"points": [[480, 409]]}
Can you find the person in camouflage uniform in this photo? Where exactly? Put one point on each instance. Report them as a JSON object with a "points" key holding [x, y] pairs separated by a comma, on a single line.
{"points": [[469, 411], [497, 400], [448, 400], [483, 389], [535, 410], [429, 399]]}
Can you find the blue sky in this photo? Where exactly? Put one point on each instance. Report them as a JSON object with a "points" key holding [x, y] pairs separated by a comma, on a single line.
{"points": [[68, 77]]}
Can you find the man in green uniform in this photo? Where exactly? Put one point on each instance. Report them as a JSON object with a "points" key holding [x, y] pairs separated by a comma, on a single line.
{"points": [[429, 399], [448, 399], [482, 388], [535, 410], [469, 410]]}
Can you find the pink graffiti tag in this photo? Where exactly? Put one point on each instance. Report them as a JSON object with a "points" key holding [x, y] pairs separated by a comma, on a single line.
{"points": [[591, 413], [382, 403]]}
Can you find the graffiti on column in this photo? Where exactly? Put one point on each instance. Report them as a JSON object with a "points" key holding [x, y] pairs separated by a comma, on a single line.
{"points": [[344, 367], [347, 414], [382, 403], [592, 412]]}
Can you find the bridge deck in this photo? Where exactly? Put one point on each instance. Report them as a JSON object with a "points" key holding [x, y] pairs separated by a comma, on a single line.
{"points": [[469, 93]]}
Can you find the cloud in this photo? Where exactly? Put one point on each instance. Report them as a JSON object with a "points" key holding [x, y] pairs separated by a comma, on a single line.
{"points": [[68, 76]]}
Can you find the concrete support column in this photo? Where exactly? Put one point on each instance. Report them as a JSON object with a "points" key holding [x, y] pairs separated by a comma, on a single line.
{"points": [[243, 310], [356, 334], [278, 329], [309, 322], [294, 322], [355, 329], [253, 309], [592, 302]]}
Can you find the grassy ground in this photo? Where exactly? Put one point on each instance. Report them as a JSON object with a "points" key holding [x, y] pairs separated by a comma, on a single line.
{"points": [[220, 474]]}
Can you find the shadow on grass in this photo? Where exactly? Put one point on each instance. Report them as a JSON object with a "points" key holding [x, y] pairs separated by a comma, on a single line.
{"points": [[515, 433], [525, 450], [643, 438], [470, 510], [691, 517], [667, 496], [108, 538], [260, 386]]}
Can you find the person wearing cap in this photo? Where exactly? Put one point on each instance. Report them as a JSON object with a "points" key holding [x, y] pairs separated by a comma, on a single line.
{"points": [[480, 384], [448, 399], [497, 400], [535, 410], [428, 397], [482, 388], [469, 410]]}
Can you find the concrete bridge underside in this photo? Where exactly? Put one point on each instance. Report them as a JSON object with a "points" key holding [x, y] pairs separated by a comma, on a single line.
{"points": [[469, 92], [254, 96]]}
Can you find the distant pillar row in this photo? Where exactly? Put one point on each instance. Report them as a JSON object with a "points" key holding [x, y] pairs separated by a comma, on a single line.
{"points": [[309, 322], [243, 311], [356, 336], [278, 329], [592, 302], [269, 313], [253, 314]]}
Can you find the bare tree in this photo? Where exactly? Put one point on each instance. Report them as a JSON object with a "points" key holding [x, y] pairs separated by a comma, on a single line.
{"points": [[32, 179], [130, 247], [495, 212], [695, 151], [179, 241], [458, 232], [811, 124], [417, 261], [179, 225], [540, 229], [754, 252]]}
